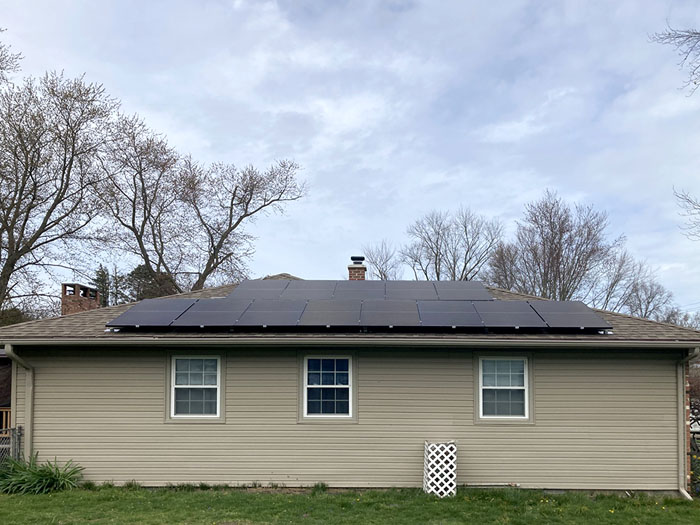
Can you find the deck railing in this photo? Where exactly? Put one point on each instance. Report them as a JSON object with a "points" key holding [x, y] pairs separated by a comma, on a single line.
{"points": [[5, 415]]}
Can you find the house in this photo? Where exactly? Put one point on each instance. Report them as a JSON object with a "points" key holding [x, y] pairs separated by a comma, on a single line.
{"points": [[536, 394]]}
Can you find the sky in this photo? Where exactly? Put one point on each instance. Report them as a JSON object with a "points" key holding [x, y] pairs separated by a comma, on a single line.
{"points": [[397, 108]]}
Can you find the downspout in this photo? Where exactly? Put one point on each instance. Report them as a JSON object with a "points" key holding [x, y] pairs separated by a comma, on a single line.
{"points": [[683, 427], [28, 398]]}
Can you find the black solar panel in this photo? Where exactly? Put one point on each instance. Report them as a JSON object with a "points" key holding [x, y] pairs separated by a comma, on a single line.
{"points": [[331, 313], [260, 289], [360, 290], [508, 314], [389, 313], [462, 291], [448, 313], [415, 290], [213, 312], [152, 312], [266, 312], [569, 314]]}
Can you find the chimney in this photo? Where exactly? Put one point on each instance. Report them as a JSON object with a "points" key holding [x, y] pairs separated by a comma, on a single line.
{"points": [[357, 269], [78, 298]]}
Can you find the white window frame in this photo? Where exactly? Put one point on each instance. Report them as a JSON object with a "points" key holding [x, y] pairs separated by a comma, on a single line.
{"points": [[349, 386], [525, 387], [173, 386]]}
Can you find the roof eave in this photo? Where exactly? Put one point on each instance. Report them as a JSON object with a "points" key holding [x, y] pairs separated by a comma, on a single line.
{"points": [[355, 341]]}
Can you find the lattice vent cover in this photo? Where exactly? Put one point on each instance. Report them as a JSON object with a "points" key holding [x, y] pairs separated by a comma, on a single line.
{"points": [[440, 469]]}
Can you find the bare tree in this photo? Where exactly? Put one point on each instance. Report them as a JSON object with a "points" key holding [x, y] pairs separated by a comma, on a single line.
{"points": [[50, 135], [383, 261], [223, 199], [9, 61], [455, 247], [687, 44], [183, 220], [691, 211], [557, 253], [649, 299]]}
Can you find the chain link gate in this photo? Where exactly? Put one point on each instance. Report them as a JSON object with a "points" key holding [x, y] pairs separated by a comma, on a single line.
{"points": [[10, 443]]}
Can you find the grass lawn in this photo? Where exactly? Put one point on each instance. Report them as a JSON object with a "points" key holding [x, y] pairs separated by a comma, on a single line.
{"points": [[241, 506]]}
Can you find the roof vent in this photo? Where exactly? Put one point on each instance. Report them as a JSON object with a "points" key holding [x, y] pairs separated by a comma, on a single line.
{"points": [[357, 259]]}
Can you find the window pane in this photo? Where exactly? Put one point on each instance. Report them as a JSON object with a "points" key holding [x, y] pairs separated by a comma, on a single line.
{"points": [[503, 380], [341, 378], [489, 366], [182, 365], [195, 378], [196, 394], [342, 394], [502, 366], [196, 365], [328, 407], [489, 380], [210, 379], [517, 367], [210, 365], [328, 378], [181, 378], [342, 407], [314, 394], [328, 365], [328, 394], [341, 365], [503, 402], [314, 378], [313, 407], [518, 379], [314, 365], [195, 401]]}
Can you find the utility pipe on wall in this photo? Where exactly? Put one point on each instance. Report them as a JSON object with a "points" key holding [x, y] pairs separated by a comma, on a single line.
{"points": [[28, 398]]}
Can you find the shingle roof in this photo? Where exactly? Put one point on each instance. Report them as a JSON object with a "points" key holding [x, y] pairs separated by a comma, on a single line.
{"points": [[90, 327]]}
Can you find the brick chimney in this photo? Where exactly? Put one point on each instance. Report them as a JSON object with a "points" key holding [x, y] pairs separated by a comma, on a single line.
{"points": [[357, 269], [78, 298]]}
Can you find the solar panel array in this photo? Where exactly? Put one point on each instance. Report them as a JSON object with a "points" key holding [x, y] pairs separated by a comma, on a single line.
{"points": [[359, 304]]}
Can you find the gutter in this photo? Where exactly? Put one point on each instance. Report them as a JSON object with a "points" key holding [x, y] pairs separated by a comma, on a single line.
{"points": [[683, 424], [28, 398], [353, 342]]}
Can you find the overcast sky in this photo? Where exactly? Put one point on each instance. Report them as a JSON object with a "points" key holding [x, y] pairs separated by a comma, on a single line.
{"points": [[397, 108]]}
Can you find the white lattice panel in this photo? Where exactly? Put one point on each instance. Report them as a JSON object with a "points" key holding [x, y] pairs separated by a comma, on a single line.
{"points": [[440, 469]]}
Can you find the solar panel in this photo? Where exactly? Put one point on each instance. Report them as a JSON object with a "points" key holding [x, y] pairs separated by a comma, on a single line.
{"points": [[415, 290], [213, 312], [260, 289], [389, 313], [449, 313], [266, 312], [307, 294], [462, 291], [360, 290], [568, 314], [331, 313], [508, 314], [152, 312]]}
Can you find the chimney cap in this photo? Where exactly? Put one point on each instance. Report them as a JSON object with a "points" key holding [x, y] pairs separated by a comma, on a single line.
{"points": [[357, 259]]}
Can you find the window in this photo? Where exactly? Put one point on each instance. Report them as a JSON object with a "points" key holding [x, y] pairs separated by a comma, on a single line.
{"points": [[503, 387], [195, 387], [327, 387]]}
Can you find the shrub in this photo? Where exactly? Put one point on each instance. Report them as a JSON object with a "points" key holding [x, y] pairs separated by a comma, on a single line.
{"points": [[319, 488], [132, 485], [31, 477]]}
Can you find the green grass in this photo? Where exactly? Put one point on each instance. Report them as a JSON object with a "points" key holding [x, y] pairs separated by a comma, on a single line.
{"points": [[400, 506]]}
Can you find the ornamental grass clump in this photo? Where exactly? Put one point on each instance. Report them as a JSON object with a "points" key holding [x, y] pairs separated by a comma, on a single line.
{"points": [[32, 477]]}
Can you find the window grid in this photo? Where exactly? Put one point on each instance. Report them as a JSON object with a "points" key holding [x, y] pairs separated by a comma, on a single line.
{"points": [[327, 387], [195, 386], [503, 382]]}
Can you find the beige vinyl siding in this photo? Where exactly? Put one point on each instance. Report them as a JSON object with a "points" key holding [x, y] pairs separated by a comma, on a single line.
{"points": [[19, 385], [602, 420]]}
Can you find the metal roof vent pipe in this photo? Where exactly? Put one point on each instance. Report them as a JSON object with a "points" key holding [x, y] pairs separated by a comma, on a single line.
{"points": [[357, 269]]}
